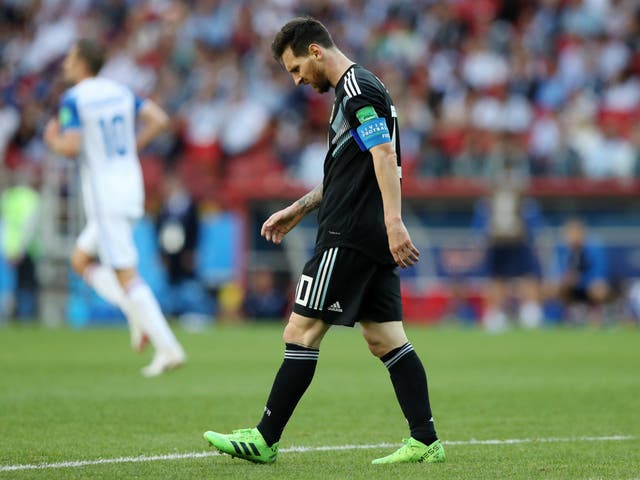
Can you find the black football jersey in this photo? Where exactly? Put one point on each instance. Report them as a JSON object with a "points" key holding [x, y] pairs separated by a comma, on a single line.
{"points": [[351, 212]]}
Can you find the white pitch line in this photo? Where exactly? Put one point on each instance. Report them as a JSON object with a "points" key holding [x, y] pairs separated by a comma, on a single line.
{"points": [[103, 461], [326, 448]]}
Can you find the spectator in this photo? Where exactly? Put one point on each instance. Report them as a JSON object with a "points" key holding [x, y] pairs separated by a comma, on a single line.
{"points": [[177, 226], [463, 73], [507, 222], [264, 300], [309, 169], [9, 123], [580, 272], [458, 66], [19, 211]]}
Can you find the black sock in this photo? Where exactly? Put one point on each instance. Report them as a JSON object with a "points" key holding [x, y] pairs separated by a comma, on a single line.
{"points": [[292, 380], [410, 383]]}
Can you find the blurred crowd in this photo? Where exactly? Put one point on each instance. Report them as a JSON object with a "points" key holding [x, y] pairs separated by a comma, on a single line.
{"points": [[542, 88], [551, 86]]}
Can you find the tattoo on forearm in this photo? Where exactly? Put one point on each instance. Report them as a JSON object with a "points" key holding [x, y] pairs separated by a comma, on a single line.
{"points": [[311, 200]]}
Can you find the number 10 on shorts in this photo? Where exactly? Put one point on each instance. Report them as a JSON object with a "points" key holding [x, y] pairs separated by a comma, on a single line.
{"points": [[303, 290]]}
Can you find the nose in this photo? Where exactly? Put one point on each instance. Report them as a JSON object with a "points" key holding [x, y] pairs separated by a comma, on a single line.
{"points": [[297, 79]]}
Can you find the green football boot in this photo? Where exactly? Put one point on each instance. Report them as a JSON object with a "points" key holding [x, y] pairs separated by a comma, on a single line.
{"points": [[414, 451], [246, 443]]}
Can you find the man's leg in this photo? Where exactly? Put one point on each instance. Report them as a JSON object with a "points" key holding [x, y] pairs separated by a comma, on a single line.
{"points": [[494, 319], [104, 281], [530, 312], [146, 312], [389, 343], [117, 248], [99, 277], [302, 337]]}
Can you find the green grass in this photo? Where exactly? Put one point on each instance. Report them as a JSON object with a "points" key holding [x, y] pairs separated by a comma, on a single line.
{"points": [[77, 395]]}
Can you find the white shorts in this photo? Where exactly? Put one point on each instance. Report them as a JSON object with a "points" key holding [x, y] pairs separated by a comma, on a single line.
{"points": [[111, 240]]}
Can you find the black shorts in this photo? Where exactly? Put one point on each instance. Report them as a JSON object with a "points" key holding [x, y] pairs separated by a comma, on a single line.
{"points": [[342, 286], [512, 261], [577, 294]]}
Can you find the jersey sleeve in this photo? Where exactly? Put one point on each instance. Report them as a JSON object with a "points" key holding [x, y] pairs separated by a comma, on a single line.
{"points": [[68, 113], [138, 102], [367, 112]]}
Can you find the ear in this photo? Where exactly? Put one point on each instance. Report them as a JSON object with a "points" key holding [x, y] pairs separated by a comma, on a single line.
{"points": [[316, 51]]}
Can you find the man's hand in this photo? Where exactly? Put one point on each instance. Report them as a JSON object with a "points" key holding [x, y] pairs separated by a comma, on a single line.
{"points": [[52, 133], [401, 247], [281, 223]]}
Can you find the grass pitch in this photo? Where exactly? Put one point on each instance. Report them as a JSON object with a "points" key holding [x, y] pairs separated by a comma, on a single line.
{"points": [[74, 396]]}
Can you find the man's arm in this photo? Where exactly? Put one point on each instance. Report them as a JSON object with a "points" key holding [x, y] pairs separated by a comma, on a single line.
{"points": [[400, 245], [67, 143], [154, 121], [283, 221], [310, 201]]}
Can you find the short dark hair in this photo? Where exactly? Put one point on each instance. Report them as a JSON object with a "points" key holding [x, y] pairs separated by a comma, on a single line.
{"points": [[298, 34], [92, 52]]}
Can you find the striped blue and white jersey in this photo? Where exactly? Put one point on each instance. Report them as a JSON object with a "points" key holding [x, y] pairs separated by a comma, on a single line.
{"points": [[105, 113]]}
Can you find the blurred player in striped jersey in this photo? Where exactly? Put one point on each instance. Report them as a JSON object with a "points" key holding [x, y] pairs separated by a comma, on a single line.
{"points": [[96, 125]]}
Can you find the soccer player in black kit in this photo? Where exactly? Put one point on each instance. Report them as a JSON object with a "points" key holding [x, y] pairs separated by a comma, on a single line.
{"points": [[361, 240]]}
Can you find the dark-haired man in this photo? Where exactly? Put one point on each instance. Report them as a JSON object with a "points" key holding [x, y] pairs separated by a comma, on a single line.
{"points": [[361, 239], [581, 270], [96, 124]]}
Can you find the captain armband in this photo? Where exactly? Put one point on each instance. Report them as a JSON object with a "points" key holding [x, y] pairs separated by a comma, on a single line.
{"points": [[371, 133]]}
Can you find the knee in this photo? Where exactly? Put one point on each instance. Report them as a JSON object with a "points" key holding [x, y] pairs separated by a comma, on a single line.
{"points": [[296, 334], [290, 334], [79, 262], [125, 276], [378, 349], [306, 336], [599, 293], [377, 345], [382, 338]]}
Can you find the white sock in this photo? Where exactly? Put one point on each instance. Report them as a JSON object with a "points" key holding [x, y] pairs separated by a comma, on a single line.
{"points": [[494, 320], [531, 315], [148, 314]]}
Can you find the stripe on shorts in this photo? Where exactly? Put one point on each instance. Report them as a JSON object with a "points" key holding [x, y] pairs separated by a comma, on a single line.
{"points": [[326, 286], [324, 277], [316, 280]]}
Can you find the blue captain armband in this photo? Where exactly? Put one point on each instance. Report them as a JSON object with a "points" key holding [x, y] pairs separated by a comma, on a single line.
{"points": [[371, 133]]}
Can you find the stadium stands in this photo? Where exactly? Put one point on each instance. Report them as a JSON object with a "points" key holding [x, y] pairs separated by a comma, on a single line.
{"points": [[555, 83]]}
